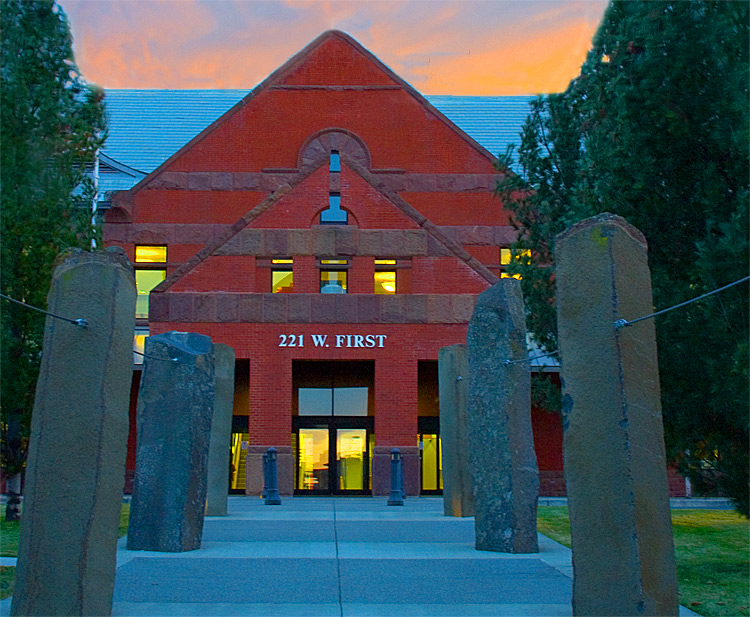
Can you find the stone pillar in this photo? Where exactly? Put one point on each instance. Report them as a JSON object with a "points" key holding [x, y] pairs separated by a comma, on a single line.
{"points": [[615, 467], [505, 477], [219, 448], [254, 470], [79, 431], [453, 377], [175, 407]]}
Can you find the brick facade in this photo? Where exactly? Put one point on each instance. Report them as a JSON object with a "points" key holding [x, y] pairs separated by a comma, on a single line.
{"points": [[251, 188]]}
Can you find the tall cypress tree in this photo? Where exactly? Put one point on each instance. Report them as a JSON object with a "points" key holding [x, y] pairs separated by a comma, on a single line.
{"points": [[655, 129], [51, 124]]}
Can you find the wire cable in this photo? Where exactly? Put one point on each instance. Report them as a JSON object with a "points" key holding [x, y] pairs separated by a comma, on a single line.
{"points": [[81, 323], [150, 357], [544, 355], [624, 323]]}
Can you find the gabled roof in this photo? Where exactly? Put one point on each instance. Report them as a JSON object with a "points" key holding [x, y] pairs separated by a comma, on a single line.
{"points": [[277, 79], [268, 203], [146, 127]]}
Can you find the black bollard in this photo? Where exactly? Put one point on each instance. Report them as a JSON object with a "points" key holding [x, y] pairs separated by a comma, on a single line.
{"points": [[397, 479], [272, 479]]}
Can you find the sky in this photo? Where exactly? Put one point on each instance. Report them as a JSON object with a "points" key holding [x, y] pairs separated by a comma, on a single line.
{"points": [[459, 47]]}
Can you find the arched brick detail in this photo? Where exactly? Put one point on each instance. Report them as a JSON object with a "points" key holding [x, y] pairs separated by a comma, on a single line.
{"points": [[352, 218], [320, 144]]}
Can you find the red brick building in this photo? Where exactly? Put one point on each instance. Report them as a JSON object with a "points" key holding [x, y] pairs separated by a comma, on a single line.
{"points": [[334, 228]]}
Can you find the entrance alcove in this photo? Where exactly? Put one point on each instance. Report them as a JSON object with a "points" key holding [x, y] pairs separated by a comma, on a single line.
{"points": [[332, 426]]}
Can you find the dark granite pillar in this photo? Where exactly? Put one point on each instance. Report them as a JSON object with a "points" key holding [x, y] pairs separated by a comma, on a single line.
{"points": [[453, 376], [175, 407], [79, 432], [219, 449], [505, 477], [615, 468]]}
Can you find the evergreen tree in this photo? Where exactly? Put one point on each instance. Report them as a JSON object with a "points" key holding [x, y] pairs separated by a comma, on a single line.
{"points": [[655, 129], [52, 123]]}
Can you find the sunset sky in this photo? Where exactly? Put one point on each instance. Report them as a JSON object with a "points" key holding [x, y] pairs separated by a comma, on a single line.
{"points": [[467, 47]]}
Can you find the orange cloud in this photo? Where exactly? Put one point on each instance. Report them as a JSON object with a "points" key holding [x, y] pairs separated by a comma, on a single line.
{"points": [[441, 47]]}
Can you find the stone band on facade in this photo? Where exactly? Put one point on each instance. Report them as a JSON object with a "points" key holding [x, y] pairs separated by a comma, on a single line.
{"points": [[205, 233], [311, 308]]}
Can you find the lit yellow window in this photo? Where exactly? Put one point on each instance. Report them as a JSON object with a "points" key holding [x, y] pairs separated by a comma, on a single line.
{"points": [[282, 261], [150, 254], [334, 262], [145, 281], [139, 344], [385, 282], [385, 262], [282, 281]]}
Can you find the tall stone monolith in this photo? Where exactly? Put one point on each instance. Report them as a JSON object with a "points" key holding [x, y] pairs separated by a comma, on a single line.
{"points": [[615, 464], [219, 449], [79, 432], [175, 408], [505, 476], [453, 379]]}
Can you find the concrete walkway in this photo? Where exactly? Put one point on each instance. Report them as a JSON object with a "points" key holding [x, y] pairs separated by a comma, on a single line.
{"points": [[344, 557], [341, 557]]}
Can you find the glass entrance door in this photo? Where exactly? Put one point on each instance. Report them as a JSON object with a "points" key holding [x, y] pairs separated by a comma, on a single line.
{"points": [[332, 458], [313, 460], [351, 450]]}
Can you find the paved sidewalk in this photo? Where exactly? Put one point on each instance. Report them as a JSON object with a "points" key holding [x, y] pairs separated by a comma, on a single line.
{"points": [[341, 557]]}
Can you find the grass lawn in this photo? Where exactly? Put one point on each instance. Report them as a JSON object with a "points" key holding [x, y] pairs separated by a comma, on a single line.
{"points": [[9, 548], [712, 548]]}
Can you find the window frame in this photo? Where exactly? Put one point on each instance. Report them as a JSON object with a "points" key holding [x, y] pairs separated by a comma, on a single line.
{"points": [[158, 265], [334, 264], [279, 265]]}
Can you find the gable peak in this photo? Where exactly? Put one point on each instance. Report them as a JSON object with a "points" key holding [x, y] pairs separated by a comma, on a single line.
{"points": [[334, 58]]}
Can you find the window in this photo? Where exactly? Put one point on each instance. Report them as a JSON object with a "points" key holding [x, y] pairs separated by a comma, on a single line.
{"points": [[145, 281], [146, 278], [334, 215], [385, 276], [334, 165], [505, 258], [139, 344], [333, 276], [351, 401], [150, 254], [282, 278]]}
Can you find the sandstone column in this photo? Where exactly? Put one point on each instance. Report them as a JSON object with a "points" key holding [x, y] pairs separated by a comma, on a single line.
{"points": [[79, 432], [501, 443], [615, 467], [175, 407], [453, 377], [219, 449]]}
